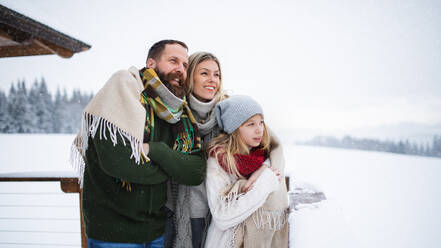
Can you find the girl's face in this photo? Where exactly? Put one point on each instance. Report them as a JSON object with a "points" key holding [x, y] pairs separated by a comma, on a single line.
{"points": [[251, 131], [206, 80]]}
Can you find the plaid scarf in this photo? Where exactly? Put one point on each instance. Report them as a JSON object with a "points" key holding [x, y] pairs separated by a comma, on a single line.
{"points": [[157, 99]]}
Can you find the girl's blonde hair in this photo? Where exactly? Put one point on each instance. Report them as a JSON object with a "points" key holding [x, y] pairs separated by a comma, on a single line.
{"points": [[225, 146], [194, 60]]}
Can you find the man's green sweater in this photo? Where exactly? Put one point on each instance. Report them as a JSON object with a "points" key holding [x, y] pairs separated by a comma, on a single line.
{"points": [[114, 213]]}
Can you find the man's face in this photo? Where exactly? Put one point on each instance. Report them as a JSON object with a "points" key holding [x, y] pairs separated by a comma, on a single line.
{"points": [[171, 68]]}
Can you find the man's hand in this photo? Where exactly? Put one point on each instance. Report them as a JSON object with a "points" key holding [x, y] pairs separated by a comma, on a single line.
{"points": [[146, 148], [249, 184]]}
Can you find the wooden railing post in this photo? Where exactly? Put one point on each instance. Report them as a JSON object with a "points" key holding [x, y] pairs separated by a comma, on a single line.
{"points": [[70, 185]]}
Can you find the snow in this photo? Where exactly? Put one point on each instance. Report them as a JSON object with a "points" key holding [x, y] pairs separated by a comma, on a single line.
{"points": [[373, 199], [323, 225], [38, 174], [34, 152]]}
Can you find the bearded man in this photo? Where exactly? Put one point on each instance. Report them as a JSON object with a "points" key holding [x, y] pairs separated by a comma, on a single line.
{"points": [[137, 134]]}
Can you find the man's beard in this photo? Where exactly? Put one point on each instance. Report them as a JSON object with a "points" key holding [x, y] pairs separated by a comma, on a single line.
{"points": [[178, 91]]}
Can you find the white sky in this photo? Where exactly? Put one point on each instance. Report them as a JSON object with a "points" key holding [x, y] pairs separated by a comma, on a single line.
{"points": [[325, 65]]}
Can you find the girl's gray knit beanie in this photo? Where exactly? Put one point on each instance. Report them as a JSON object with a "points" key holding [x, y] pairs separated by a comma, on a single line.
{"points": [[234, 111]]}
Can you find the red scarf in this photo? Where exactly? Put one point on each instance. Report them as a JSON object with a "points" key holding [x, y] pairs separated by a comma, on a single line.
{"points": [[246, 164]]}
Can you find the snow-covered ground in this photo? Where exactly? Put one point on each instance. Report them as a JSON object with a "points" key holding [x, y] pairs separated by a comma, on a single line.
{"points": [[373, 199]]}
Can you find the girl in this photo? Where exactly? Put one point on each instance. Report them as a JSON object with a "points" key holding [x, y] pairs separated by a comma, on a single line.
{"points": [[204, 90], [247, 199]]}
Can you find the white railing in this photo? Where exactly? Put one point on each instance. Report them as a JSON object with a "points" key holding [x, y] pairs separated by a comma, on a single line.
{"points": [[35, 210]]}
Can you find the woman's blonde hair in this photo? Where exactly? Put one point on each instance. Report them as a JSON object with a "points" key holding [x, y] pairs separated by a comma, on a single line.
{"points": [[194, 60], [225, 146]]}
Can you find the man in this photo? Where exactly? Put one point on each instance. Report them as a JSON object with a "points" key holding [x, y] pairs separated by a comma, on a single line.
{"points": [[137, 133]]}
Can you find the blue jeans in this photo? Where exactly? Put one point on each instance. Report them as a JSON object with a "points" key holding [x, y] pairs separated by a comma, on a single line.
{"points": [[197, 230], [169, 229], [157, 243]]}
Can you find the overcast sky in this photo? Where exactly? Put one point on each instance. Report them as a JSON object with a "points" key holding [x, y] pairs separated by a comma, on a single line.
{"points": [[325, 65]]}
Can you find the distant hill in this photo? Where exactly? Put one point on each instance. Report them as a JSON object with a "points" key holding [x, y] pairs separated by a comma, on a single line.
{"points": [[413, 132]]}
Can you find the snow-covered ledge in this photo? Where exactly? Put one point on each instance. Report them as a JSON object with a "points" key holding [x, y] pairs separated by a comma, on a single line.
{"points": [[39, 174], [304, 195], [68, 180]]}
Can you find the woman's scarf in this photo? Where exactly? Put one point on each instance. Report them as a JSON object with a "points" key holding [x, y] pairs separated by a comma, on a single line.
{"points": [[187, 201], [204, 113]]}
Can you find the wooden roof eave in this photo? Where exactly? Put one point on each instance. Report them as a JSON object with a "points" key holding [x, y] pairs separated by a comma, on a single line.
{"points": [[22, 36]]}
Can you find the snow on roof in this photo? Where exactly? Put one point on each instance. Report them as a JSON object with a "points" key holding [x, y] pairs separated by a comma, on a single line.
{"points": [[23, 36]]}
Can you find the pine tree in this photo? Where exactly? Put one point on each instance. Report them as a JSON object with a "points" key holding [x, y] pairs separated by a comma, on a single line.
{"points": [[58, 110], [37, 112], [67, 115], [75, 107], [5, 118], [414, 149], [45, 108], [13, 126], [35, 105], [62, 120], [436, 146], [25, 119], [427, 150]]}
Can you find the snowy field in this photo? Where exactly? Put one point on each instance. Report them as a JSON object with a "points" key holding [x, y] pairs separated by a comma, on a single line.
{"points": [[373, 199]]}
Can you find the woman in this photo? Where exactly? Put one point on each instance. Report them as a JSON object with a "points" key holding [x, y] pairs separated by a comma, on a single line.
{"points": [[245, 190], [204, 90]]}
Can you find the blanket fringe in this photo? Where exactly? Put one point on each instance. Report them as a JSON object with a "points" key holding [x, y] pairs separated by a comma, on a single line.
{"points": [[227, 200], [76, 160], [90, 126], [232, 236], [274, 219]]}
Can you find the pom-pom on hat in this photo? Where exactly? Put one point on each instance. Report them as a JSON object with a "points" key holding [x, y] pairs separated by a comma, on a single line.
{"points": [[234, 111]]}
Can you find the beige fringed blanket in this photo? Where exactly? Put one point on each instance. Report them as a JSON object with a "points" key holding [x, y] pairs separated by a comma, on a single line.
{"points": [[268, 226], [115, 108]]}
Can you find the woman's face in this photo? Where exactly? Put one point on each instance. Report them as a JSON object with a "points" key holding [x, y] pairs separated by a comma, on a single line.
{"points": [[206, 80]]}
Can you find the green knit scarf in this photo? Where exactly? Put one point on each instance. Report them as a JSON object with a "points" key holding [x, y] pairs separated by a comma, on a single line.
{"points": [[159, 101]]}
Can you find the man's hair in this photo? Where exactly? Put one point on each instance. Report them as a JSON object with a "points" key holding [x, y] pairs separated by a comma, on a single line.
{"points": [[157, 48]]}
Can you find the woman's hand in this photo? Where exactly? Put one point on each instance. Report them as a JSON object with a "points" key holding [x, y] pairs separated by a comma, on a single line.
{"points": [[249, 184], [277, 173]]}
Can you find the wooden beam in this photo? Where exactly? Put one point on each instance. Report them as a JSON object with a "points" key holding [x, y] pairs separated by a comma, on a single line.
{"points": [[18, 51], [32, 179], [62, 52], [36, 47], [6, 39], [69, 185]]}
